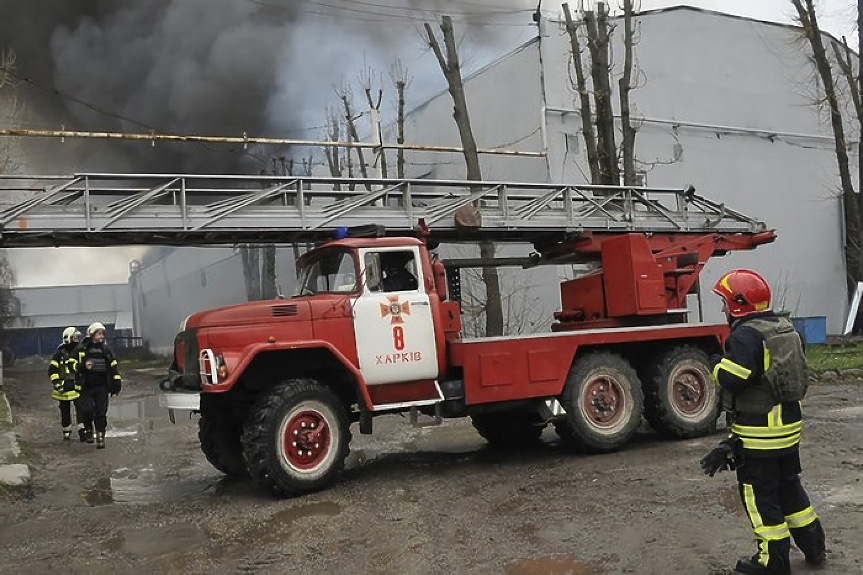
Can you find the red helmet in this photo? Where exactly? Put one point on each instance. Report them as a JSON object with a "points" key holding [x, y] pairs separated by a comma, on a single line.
{"points": [[744, 292]]}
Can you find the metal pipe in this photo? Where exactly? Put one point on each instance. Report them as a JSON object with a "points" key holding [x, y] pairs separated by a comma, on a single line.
{"points": [[246, 140]]}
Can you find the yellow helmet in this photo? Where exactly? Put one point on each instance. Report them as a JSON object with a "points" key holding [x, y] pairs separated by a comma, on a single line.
{"points": [[94, 327], [71, 335]]}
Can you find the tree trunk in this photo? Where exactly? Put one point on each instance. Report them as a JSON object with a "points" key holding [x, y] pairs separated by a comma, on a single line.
{"points": [[352, 131], [584, 98], [452, 72], [597, 30], [809, 22], [268, 272], [625, 84], [400, 166], [251, 271]]}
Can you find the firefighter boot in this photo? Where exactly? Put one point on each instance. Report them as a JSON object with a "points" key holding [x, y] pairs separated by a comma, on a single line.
{"points": [[67, 433], [751, 566], [100, 440], [86, 435]]}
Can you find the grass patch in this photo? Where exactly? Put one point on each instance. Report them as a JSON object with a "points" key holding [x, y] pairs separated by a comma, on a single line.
{"points": [[823, 358]]}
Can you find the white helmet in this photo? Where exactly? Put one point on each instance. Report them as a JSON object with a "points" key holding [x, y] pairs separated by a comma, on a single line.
{"points": [[71, 335], [94, 327]]}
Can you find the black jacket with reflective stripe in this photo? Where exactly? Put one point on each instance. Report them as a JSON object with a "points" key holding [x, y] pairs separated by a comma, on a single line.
{"points": [[765, 429]]}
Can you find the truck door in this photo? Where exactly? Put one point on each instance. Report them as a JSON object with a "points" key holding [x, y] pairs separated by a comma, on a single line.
{"points": [[393, 319]]}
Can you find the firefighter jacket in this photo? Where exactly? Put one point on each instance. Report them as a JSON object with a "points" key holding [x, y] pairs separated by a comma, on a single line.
{"points": [[62, 371], [97, 366], [763, 377]]}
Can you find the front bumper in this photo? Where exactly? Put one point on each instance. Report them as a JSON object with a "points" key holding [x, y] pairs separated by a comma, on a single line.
{"points": [[180, 400]]}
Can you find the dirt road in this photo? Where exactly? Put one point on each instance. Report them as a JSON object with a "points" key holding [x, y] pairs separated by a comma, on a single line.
{"points": [[432, 500]]}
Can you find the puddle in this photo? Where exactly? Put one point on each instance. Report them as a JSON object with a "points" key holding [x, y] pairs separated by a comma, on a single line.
{"points": [[550, 566], [152, 542], [137, 418], [146, 484]]}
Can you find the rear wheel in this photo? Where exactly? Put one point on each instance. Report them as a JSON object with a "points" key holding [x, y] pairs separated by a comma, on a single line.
{"points": [[681, 399], [603, 402], [296, 438], [219, 435], [509, 428]]}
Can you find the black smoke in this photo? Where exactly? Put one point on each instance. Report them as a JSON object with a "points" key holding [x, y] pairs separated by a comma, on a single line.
{"points": [[214, 67]]}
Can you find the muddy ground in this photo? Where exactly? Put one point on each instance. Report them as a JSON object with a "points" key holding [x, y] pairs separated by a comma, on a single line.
{"points": [[431, 500]]}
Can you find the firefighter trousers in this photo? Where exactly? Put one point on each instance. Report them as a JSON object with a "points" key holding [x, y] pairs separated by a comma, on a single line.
{"points": [[66, 412], [93, 407], [779, 509]]}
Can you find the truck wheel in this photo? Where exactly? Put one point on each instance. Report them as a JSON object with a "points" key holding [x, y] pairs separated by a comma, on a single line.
{"points": [[681, 399], [603, 402], [296, 438], [220, 439], [509, 428]]}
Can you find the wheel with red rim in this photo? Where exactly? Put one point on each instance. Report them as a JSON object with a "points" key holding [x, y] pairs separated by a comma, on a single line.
{"points": [[680, 398], [603, 402], [296, 438]]}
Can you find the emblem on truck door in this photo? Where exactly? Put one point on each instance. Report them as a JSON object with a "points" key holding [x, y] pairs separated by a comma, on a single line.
{"points": [[394, 309]]}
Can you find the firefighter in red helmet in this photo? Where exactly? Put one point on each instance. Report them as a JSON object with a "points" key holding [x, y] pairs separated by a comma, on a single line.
{"points": [[763, 377]]}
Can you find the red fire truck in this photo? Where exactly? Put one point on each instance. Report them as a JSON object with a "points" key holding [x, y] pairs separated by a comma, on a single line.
{"points": [[375, 328]]}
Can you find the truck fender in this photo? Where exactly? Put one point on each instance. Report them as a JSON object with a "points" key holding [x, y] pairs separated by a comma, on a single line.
{"points": [[252, 351]]}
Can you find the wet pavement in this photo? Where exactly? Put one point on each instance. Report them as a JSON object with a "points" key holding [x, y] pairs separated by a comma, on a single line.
{"points": [[427, 500]]}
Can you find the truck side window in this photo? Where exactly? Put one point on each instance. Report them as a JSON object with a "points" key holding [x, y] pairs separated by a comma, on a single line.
{"points": [[332, 273]]}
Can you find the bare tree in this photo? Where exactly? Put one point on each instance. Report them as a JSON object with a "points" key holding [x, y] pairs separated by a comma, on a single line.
{"points": [[367, 82], [597, 119], [600, 70], [401, 79], [625, 84], [811, 31], [346, 97], [451, 68], [10, 305], [583, 96]]}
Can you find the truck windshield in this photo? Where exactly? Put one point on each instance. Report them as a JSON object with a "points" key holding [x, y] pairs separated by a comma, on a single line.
{"points": [[331, 272]]}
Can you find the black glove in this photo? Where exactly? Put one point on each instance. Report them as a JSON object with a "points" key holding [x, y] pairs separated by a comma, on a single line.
{"points": [[114, 387], [714, 360], [68, 385], [721, 457]]}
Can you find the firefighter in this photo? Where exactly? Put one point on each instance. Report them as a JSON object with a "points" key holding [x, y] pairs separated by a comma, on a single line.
{"points": [[762, 375], [98, 370], [63, 375], [396, 275]]}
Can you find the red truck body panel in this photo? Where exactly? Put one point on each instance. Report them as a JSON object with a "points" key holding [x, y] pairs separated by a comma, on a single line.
{"points": [[511, 368]]}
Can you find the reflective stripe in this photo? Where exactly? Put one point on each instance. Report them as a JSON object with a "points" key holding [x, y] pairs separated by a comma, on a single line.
{"points": [[54, 363], [773, 532], [763, 532], [770, 444], [766, 432], [734, 369], [114, 363], [801, 518], [766, 355], [716, 374], [55, 376], [116, 377]]}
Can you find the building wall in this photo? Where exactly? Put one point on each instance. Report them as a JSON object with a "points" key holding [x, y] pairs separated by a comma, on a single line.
{"points": [[47, 311], [724, 104]]}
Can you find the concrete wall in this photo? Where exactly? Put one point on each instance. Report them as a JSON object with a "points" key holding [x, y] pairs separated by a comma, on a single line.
{"points": [[725, 105]]}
